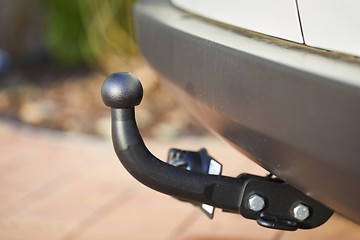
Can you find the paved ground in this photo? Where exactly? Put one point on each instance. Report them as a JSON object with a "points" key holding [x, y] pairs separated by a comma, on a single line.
{"points": [[58, 186]]}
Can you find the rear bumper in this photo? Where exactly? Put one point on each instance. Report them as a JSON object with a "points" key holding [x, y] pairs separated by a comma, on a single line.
{"points": [[292, 109]]}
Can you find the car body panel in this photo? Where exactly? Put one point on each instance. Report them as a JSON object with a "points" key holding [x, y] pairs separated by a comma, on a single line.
{"points": [[277, 18], [332, 25]]}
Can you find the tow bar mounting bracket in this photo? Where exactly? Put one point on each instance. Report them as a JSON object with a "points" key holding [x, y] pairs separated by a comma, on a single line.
{"points": [[196, 177]]}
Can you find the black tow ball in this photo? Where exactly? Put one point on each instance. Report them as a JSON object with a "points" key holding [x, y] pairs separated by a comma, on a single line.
{"points": [[196, 177]]}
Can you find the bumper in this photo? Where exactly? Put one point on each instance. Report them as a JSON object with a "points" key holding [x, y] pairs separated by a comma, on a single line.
{"points": [[292, 109]]}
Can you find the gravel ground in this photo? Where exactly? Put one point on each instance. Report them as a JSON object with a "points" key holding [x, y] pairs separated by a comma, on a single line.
{"points": [[69, 100]]}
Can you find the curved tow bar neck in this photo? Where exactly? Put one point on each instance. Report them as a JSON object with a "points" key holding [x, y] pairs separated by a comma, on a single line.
{"points": [[122, 92]]}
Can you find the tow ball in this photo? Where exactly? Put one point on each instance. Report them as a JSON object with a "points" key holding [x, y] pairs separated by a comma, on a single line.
{"points": [[196, 176]]}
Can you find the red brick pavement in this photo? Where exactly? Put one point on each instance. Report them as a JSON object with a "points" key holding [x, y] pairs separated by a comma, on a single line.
{"points": [[61, 186]]}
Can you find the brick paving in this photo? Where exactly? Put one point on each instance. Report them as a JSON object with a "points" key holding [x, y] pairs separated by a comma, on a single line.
{"points": [[62, 186]]}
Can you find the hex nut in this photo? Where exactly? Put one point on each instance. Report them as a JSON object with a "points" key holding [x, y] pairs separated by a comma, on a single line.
{"points": [[301, 212], [256, 203]]}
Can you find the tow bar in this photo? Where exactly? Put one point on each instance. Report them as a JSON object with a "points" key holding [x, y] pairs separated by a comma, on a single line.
{"points": [[196, 176]]}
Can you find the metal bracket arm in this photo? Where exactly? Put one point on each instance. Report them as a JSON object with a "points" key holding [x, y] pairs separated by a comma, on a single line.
{"points": [[122, 92]]}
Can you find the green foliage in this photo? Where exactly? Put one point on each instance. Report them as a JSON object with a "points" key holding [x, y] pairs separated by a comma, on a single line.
{"points": [[81, 31], [65, 32]]}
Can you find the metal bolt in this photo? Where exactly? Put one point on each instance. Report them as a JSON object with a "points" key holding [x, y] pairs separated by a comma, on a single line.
{"points": [[256, 203], [301, 212]]}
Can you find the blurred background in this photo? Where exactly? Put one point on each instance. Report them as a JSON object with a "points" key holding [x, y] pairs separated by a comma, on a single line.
{"points": [[54, 56]]}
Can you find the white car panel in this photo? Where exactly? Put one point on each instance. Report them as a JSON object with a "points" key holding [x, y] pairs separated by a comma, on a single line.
{"points": [[278, 18], [332, 25]]}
